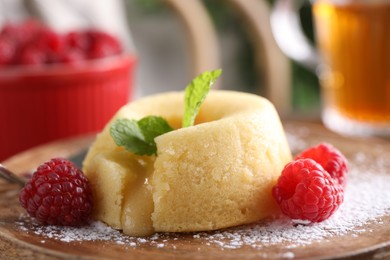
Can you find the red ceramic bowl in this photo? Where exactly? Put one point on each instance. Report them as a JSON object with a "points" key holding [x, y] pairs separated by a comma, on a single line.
{"points": [[42, 104]]}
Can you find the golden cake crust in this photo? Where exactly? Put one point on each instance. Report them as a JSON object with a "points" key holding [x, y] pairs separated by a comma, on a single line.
{"points": [[216, 174]]}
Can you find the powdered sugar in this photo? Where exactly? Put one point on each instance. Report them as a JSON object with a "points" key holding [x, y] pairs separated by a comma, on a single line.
{"points": [[367, 199]]}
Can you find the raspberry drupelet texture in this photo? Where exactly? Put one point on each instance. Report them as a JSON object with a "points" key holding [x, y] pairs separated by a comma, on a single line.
{"points": [[33, 43], [57, 194], [331, 159], [306, 192]]}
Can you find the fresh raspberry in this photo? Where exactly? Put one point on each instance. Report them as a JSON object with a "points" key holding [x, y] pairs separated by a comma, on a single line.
{"points": [[31, 42], [50, 43], [331, 159], [21, 32], [306, 192], [7, 51], [102, 44], [49, 40], [72, 57], [31, 56], [78, 40], [57, 194]]}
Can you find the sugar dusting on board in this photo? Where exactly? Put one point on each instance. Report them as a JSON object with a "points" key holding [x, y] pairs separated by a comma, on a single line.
{"points": [[367, 199]]}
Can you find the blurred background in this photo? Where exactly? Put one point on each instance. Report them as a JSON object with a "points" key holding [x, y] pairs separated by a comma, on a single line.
{"points": [[157, 33], [158, 37]]}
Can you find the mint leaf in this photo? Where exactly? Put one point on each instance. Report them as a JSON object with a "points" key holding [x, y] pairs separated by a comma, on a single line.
{"points": [[138, 136], [196, 93], [153, 126]]}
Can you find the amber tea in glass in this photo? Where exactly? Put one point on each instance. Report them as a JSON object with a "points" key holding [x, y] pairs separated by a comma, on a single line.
{"points": [[354, 43]]}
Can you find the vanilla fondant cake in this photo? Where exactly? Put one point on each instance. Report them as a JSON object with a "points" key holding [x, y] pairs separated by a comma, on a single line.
{"points": [[216, 174]]}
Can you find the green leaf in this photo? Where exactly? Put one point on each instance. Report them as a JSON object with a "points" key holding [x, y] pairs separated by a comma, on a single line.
{"points": [[138, 136], [196, 93], [153, 126]]}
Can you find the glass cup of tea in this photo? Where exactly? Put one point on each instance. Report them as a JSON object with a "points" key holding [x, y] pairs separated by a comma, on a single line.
{"points": [[352, 59]]}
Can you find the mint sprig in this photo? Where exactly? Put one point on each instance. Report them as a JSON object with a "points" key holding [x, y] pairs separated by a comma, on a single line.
{"points": [[196, 93], [138, 136]]}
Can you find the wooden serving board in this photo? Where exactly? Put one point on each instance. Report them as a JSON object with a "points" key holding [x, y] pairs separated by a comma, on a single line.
{"points": [[20, 243]]}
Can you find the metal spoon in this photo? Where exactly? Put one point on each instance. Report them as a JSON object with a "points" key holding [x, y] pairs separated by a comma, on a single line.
{"points": [[10, 176]]}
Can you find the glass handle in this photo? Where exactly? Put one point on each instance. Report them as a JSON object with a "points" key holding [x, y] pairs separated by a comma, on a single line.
{"points": [[289, 36]]}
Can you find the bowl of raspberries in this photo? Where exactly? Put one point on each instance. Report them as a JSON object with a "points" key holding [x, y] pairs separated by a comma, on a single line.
{"points": [[55, 85]]}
